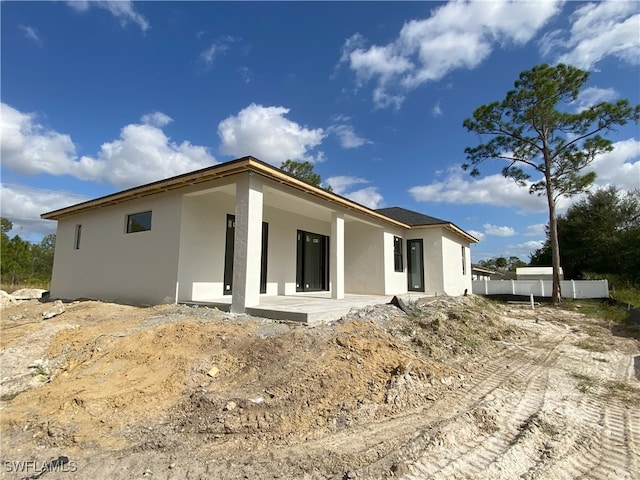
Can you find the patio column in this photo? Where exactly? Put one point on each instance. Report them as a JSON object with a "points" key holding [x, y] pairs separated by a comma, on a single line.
{"points": [[248, 243], [336, 251]]}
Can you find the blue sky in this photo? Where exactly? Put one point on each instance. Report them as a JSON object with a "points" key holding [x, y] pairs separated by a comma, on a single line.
{"points": [[102, 96]]}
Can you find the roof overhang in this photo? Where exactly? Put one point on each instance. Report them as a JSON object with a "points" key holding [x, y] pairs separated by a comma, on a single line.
{"points": [[245, 164]]}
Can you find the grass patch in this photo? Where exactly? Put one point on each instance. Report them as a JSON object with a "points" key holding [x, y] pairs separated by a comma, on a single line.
{"points": [[622, 390], [627, 295], [585, 382], [618, 386], [601, 309], [592, 345], [10, 288]]}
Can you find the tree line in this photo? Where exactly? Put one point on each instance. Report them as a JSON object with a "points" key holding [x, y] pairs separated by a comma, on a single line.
{"points": [[599, 236], [24, 262], [503, 264]]}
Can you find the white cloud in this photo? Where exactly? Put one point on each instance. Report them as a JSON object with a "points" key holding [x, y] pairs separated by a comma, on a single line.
{"points": [[246, 74], [30, 33], [341, 183], [498, 231], [529, 246], [28, 147], [23, 206], [479, 235], [268, 135], [216, 49], [368, 196], [436, 111], [592, 95], [535, 230], [457, 35], [620, 167], [598, 30], [123, 10], [459, 188], [156, 119], [347, 136], [142, 154]]}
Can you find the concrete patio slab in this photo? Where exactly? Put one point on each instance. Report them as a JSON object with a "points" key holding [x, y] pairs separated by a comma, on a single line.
{"points": [[311, 309]]}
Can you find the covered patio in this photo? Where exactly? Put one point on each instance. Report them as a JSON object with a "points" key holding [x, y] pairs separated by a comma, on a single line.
{"points": [[311, 309]]}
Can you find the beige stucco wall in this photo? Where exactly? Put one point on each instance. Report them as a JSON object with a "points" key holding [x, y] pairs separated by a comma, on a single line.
{"points": [[432, 250], [364, 254], [395, 282], [202, 247], [112, 265], [283, 228], [443, 261], [455, 282]]}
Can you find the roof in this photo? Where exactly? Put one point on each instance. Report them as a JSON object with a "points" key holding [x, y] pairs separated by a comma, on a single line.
{"points": [[478, 268], [420, 220], [536, 271], [410, 217], [396, 216]]}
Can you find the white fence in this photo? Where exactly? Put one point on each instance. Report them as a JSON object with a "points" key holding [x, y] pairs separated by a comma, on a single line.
{"points": [[542, 288]]}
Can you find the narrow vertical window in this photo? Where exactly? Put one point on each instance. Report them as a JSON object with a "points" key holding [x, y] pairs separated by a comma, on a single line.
{"points": [[76, 238], [397, 254], [464, 261]]}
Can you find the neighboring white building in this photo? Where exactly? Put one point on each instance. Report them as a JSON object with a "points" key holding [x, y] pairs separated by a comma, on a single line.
{"points": [[536, 273], [243, 229]]}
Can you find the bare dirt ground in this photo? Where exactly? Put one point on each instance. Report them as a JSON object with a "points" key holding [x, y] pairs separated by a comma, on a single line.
{"points": [[462, 389]]}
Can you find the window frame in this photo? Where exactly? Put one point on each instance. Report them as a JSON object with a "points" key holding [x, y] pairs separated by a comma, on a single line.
{"points": [[77, 236], [143, 227], [398, 259], [464, 260]]}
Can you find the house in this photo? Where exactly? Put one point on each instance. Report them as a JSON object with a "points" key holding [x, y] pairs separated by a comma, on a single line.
{"points": [[536, 273], [482, 273], [242, 230]]}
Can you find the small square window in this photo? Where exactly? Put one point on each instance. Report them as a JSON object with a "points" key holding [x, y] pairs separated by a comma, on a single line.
{"points": [[139, 222]]}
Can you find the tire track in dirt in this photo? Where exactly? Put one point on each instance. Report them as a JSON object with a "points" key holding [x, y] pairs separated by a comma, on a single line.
{"points": [[600, 442], [613, 449], [476, 454]]}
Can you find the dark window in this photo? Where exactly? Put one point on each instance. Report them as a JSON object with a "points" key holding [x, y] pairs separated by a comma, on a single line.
{"points": [[415, 263], [397, 254], [229, 251], [76, 239], [228, 254], [464, 261], [139, 222], [312, 270]]}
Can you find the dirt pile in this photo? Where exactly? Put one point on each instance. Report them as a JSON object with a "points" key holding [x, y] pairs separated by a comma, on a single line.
{"points": [[130, 392]]}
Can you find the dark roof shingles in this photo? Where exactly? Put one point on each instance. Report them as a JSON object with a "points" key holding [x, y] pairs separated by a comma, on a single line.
{"points": [[410, 217]]}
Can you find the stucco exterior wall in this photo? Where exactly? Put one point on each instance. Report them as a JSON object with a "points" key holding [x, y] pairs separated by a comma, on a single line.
{"points": [[363, 259], [113, 265], [455, 281], [201, 271], [432, 245], [283, 229], [395, 282], [203, 245]]}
